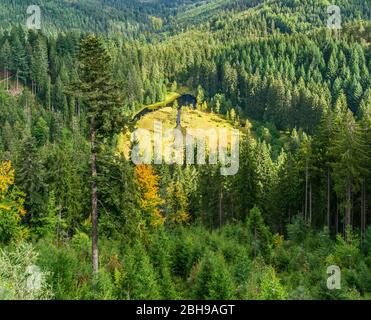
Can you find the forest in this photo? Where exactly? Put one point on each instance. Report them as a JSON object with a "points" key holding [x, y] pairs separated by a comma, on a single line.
{"points": [[97, 227]]}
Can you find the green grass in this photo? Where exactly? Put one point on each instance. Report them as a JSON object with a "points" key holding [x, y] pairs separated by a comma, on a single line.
{"points": [[191, 119], [170, 97]]}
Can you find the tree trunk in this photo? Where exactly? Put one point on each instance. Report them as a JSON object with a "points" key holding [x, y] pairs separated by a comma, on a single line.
{"points": [[337, 220], [365, 207], [363, 210], [310, 204], [348, 207], [94, 200], [306, 191], [49, 94], [328, 198], [255, 237], [220, 207]]}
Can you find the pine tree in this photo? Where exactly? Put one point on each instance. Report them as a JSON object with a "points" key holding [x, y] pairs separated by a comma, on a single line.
{"points": [[30, 177], [102, 100], [348, 148], [213, 280], [365, 116], [19, 58], [138, 279], [6, 61], [39, 68], [258, 232], [306, 165], [286, 192], [323, 155], [177, 200]]}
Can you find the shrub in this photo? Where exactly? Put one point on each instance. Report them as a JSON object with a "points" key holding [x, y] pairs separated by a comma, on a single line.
{"points": [[297, 231], [213, 281], [264, 284], [20, 278], [138, 280]]}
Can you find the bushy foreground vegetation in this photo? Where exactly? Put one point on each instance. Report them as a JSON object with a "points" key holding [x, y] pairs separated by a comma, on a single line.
{"points": [[192, 263]]}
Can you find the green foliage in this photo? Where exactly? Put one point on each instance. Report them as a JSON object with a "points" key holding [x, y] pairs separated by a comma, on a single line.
{"points": [[51, 223], [260, 236], [20, 277], [139, 279], [100, 93], [29, 177], [213, 280], [263, 284], [70, 269], [299, 93], [367, 243], [297, 231]]}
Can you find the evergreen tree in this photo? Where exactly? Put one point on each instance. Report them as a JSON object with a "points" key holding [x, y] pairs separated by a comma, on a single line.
{"points": [[259, 233], [102, 101], [213, 280], [30, 178]]}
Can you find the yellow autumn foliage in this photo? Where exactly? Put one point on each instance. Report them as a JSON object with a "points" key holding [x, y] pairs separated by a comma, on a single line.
{"points": [[11, 205], [6, 177], [150, 199]]}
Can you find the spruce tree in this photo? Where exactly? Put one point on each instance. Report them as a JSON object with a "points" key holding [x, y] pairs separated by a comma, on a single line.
{"points": [[29, 177], [102, 100]]}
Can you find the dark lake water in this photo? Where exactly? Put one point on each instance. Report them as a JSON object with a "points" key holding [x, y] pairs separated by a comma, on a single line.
{"points": [[185, 100]]}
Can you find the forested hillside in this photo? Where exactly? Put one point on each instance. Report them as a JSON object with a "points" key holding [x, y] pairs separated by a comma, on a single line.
{"points": [[100, 227], [127, 17], [135, 18]]}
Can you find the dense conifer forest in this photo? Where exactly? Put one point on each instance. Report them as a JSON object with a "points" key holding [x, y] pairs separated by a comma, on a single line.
{"points": [[96, 226]]}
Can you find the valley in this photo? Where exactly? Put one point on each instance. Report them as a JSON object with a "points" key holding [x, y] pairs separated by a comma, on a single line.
{"points": [[89, 222]]}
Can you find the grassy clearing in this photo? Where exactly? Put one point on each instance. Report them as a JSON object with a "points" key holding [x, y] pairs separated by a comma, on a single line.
{"points": [[191, 120], [170, 97]]}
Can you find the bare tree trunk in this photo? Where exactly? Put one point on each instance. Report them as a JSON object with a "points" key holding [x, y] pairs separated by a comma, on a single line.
{"points": [[220, 207], [328, 198], [94, 200], [49, 93], [255, 236], [337, 220], [306, 192], [363, 210], [365, 207], [348, 207], [310, 204]]}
